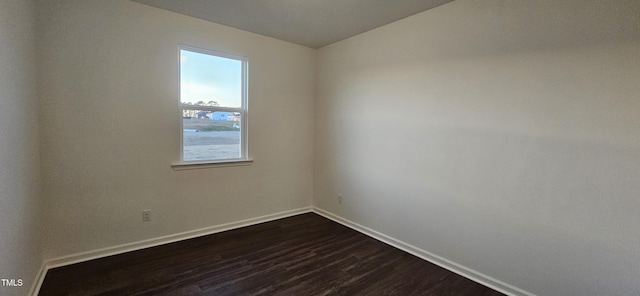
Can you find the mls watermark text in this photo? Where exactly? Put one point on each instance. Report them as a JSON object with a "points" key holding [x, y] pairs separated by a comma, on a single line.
{"points": [[11, 282]]}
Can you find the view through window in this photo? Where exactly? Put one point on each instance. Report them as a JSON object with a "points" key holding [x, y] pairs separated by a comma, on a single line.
{"points": [[213, 106]]}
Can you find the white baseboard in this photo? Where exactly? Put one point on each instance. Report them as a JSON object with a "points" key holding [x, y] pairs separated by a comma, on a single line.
{"points": [[37, 282], [435, 259], [124, 248]]}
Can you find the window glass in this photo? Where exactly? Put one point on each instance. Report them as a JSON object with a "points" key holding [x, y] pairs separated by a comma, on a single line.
{"points": [[211, 135], [212, 106], [207, 79]]}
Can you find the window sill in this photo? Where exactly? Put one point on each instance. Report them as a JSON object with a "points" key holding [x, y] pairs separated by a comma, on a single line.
{"points": [[181, 166]]}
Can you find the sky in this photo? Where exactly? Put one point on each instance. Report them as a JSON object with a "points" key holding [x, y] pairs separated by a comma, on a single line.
{"points": [[207, 78]]}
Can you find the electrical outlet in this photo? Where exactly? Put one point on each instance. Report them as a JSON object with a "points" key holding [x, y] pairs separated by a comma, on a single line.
{"points": [[340, 198], [146, 215]]}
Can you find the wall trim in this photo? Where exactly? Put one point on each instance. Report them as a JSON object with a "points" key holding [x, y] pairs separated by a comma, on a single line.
{"points": [[37, 281], [148, 243], [139, 245], [425, 255]]}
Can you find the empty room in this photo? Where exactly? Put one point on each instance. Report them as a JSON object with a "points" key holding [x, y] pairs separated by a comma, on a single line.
{"points": [[290, 147]]}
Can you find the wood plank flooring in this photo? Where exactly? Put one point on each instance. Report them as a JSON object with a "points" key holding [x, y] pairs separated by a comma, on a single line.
{"points": [[301, 255]]}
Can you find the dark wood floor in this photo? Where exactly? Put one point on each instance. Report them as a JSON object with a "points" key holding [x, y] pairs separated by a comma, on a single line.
{"points": [[301, 255]]}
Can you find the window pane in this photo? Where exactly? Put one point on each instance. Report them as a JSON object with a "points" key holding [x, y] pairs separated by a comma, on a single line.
{"points": [[210, 135], [209, 80]]}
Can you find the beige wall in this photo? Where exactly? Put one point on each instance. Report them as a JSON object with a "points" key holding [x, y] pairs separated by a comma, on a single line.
{"points": [[19, 171], [110, 126], [501, 135]]}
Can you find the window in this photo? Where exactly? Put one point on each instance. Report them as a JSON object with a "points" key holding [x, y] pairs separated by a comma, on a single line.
{"points": [[213, 106]]}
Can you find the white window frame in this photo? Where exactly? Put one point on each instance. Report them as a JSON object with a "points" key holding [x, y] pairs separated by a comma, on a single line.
{"points": [[244, 158]]}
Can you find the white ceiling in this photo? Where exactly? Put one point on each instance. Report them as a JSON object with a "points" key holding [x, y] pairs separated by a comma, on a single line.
{"points": [[312, 23]]}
